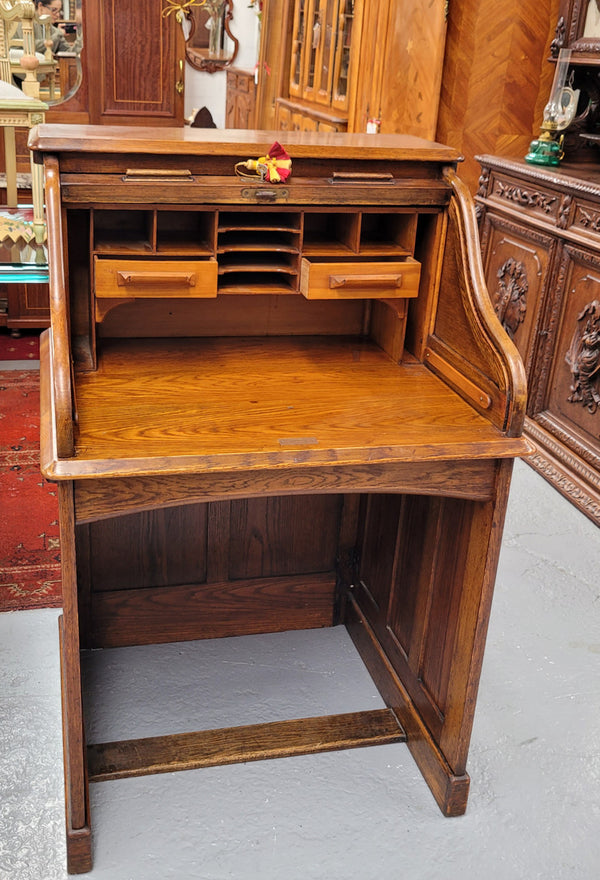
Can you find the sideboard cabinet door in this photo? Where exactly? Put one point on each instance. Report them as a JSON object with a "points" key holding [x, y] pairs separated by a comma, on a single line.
{"points": [[567, 402], [517, 264]]}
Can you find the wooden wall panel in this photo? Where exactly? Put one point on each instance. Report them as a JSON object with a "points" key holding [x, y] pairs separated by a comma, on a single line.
{"points": [[376, 571], [133, 54], [401, 54], [118, 549], [496, 77], [271, 537], [412, 79]]}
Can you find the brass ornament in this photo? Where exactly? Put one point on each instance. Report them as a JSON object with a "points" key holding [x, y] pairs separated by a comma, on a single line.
{"points": [[179, 8]]}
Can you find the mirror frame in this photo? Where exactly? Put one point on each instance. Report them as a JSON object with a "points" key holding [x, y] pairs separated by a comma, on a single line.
{"points": [[569, 33], [209, 65], [77, 84]]}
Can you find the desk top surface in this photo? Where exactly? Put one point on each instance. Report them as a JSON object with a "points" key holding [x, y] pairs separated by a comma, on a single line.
{"points": [[209, 405], [192, 141]]}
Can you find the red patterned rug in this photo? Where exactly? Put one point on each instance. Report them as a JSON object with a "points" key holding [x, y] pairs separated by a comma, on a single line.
{"points": [[25, 348], [29, 535]]}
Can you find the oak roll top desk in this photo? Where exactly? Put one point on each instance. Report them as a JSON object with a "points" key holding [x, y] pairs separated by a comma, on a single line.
{"points": [[274, 407]]}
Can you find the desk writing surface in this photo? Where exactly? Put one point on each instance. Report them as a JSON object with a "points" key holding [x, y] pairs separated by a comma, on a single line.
{"points": [[215, 404]]}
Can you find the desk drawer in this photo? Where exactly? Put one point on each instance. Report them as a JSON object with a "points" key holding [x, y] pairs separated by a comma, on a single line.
{"points": [[360, 280], [148, 279]]}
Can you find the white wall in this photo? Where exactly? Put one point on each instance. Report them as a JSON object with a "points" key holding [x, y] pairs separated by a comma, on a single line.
{"points": [[208, 89]]}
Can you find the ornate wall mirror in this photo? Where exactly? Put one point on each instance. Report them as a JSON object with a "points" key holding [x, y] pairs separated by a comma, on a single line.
{"points": [[210, 45], [59, 40], [578, 29]]}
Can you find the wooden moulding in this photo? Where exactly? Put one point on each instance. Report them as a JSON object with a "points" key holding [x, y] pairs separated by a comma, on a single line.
{"points": [[234, 745], [449, 790], [97, 499]]}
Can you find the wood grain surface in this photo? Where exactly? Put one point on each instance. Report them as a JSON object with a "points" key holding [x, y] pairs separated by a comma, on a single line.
{"points": [[233, 745], [202, 405]]}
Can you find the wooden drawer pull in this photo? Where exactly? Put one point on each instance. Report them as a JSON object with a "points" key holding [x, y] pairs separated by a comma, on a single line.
{"points": [[360, 177], [356, 281], [132, 279], [176, 174]]}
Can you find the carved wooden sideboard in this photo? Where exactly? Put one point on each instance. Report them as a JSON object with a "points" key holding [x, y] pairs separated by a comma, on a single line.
{"points": [[540, 237], [272, 408]]}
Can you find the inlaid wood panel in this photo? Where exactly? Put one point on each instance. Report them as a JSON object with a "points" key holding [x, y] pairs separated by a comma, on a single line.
{"points": [[401, 61], [133, 60], [496, 77]]}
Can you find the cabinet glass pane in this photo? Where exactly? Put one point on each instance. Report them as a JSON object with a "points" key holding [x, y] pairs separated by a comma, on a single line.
{"points": [[328, 30], [314, 35], [346, 20], [297, 44]]}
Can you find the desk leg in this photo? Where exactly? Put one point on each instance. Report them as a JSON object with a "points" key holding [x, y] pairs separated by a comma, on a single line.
{"points": [[79, 854]]}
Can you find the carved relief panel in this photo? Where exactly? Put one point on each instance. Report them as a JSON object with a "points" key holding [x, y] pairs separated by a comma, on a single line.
{"points": [[573, 395], [516, 261], [583, 358]]}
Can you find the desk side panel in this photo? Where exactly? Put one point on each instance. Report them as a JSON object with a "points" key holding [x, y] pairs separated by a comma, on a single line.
{"points": [[468, 347]]}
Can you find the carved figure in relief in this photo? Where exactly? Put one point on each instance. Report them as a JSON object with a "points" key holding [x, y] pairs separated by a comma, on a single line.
{"points": [[510, 297], [583, 357]]}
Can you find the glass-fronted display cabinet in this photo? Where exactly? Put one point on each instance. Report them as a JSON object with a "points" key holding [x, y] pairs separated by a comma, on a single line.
{"points": [[341, 73]]}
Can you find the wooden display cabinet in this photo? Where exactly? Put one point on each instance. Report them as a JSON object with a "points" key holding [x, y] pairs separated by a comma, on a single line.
{"points": [[541, 247], [271, 408], [355, 65]]}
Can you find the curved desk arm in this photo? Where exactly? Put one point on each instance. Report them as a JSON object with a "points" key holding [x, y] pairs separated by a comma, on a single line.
{"points": [[62, 391], [469, 346]]}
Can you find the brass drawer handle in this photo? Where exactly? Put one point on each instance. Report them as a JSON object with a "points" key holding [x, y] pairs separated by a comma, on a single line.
{"points": [[372, 281], [132, 279]]}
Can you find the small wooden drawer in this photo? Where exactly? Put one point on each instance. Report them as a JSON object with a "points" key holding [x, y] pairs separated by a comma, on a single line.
{"points": [[151, 279], [360, 280]]}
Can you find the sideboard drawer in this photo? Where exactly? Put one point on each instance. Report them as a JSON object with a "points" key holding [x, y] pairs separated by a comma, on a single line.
{"points": [[148, 279], [360, 280]]}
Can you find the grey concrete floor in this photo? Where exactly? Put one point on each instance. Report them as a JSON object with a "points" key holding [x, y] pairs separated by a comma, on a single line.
{"points": [[534, 807]]}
